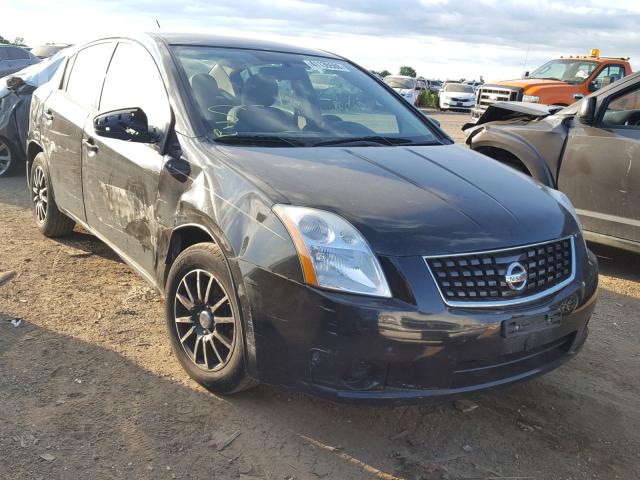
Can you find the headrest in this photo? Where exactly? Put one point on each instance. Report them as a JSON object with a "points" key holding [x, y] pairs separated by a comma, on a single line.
{"points": [[260, 90], [203, 81]]}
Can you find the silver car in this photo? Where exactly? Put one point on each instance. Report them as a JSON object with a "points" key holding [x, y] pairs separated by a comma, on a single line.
{"points": [[14, 58]]}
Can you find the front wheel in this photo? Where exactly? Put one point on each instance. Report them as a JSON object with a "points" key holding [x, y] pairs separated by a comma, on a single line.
{"points": [[203, 320], [50, 221], [7, 158]]}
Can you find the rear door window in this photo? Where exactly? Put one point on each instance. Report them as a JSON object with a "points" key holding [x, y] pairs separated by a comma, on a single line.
{"points": [[87, 74]]}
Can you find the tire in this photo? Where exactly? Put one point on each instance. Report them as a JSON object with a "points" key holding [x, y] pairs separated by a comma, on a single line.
{"points": [[205, 330], [8, 158], [50, 221]]}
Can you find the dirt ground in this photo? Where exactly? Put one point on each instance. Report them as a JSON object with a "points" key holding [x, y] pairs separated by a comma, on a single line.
{"points": [[89, 389]]}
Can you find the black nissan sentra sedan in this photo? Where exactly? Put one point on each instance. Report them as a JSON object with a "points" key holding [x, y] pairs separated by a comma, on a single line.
{"points": [[307, 226]]}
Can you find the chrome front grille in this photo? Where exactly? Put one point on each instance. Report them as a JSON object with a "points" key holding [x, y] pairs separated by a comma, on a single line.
{"points": [[490, 95], [480, 278]]}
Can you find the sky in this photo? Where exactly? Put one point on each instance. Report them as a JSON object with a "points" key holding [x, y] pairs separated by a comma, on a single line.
{"points": [[498, 39]]}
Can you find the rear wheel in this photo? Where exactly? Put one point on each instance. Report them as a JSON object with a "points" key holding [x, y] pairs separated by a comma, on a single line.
{"points": [[203, 320], [50, 221]]}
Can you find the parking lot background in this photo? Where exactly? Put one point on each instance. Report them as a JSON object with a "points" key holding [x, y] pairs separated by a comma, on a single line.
{"points": [[89, 389]]}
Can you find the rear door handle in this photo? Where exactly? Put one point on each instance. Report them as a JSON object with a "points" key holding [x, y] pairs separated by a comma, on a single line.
{"points": [[89, 144]]}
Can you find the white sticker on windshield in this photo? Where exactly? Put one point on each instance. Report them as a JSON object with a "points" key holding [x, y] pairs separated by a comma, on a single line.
{"points": [[326, 65]]}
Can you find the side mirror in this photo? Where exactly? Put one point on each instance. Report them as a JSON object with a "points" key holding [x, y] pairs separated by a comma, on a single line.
{"points": [[587, 112], [14, 83], [526, 74], [129, 124]]}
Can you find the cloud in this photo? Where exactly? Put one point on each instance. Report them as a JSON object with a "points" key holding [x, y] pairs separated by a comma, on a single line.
{"points": [[439, 37]]}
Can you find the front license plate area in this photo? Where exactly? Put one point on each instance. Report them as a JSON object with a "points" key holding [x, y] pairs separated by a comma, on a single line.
{"points": [[527, 325]]}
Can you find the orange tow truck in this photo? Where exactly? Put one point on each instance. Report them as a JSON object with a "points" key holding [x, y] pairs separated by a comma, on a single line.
{"points": [[558, 82]]}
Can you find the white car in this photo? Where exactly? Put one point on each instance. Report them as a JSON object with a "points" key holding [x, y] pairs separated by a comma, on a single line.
{"points": [[408, 87], [456, 95]]}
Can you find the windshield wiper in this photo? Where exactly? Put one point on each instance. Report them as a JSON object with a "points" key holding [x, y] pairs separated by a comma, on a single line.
{"points": [[261, 140], [390, 141]]}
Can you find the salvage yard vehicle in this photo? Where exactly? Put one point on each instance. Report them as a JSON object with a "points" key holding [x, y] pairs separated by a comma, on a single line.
{"points": [[13, 58], [557, 82], [407, 87], [353, 252], [457, 96], [48, 50], [590, 151], [15, 99]]}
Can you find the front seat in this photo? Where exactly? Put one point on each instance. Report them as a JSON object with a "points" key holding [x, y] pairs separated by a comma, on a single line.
{"points": [[256, 114], [212, 103]]}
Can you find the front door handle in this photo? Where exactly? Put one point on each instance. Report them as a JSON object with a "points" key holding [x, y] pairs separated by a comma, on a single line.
{"points": [[90, 144]]}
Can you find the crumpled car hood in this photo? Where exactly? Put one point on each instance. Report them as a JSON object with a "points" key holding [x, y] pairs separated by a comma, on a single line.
{"points": [[421, 200]]}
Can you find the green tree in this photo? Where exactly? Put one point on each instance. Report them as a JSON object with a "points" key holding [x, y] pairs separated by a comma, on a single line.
{"points": [[408, 71], [382, 73]]}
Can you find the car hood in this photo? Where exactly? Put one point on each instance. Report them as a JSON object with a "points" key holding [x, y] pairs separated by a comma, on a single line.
{"points": [[424, 200], [404, 91], [512, 111], [529, 82]]}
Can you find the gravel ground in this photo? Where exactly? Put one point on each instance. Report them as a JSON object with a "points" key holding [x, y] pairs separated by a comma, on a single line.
{"points": [[89, 389]]}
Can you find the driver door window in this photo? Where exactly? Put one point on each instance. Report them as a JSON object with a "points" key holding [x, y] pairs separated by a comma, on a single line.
{"points": [[623, 111], [607, 75], [133, 80]]}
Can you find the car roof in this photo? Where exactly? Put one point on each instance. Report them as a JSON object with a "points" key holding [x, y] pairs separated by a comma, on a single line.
{"points": [[203, 39]]}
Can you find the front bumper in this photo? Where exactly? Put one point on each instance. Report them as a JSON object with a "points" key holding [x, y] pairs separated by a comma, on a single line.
{"points": [[458, 105], [410, 348]]}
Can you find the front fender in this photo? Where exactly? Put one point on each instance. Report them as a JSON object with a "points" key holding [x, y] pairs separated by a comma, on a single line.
{"points": [[492, 136]]}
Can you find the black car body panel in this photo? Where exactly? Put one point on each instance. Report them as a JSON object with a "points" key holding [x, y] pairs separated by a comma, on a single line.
{"points": [[149, 201], [561, 151], [481, 214]]}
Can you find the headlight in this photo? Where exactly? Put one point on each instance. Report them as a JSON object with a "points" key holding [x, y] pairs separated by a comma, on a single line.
{"points": [[530, 98], [332, 252], [566, 203]]}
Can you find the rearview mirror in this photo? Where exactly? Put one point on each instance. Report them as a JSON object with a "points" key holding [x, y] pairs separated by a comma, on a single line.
{"points": [[587, 111], [129, 124], [14, 82]]}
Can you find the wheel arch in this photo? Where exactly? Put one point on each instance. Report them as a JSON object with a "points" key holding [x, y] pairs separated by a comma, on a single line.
{"points": [[33, 149], [200, 230], [514, 147]]}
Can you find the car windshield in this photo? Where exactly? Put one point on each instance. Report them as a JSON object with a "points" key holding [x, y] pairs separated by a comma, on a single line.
{"points": [[264, 98], [400, 82], [573, 71], [458, 87]]}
